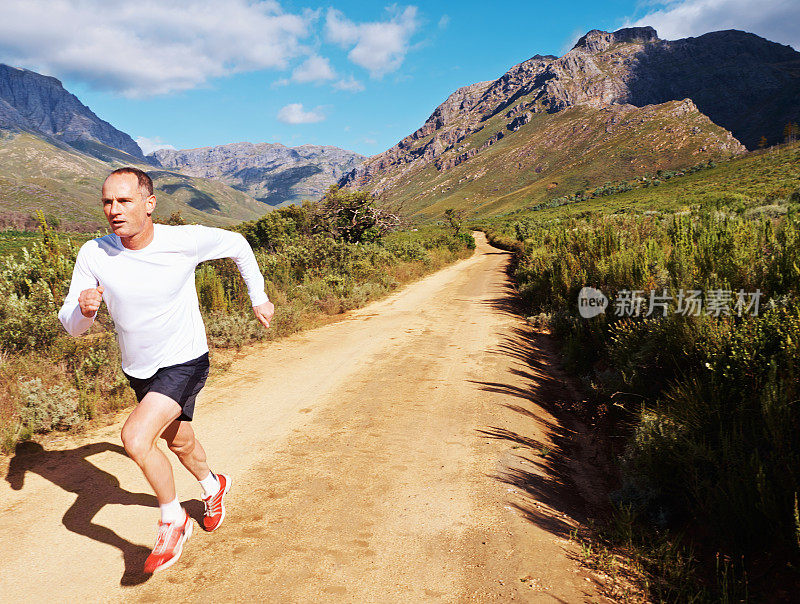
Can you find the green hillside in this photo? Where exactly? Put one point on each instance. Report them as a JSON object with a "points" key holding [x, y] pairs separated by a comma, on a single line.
{"points": [[760, 181], [691, 368], [556, 154], [40, 174]]}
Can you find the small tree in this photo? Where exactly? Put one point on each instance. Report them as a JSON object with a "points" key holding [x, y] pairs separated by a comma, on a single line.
{"points": [[762, 142], [454, 219], [174, 219], [279, 227], [353, 216]]}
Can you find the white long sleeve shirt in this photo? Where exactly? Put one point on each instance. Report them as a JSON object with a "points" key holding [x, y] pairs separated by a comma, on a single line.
{"points": [[150, 292]]}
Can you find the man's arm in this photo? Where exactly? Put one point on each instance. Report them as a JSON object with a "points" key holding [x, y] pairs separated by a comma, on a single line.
{"points": [[84, 295], [215, 243]]}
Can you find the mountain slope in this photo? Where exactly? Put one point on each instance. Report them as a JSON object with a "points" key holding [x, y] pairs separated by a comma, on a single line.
{"points": [[607, 89], [747, 84], [557, 154], [271, 173], [37, 103], [39, 173], [55, 153], [765, 182]]}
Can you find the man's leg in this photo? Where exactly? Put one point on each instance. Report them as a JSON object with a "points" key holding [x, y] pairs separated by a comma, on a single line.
{"points": [[182, 441], [149, 419]]}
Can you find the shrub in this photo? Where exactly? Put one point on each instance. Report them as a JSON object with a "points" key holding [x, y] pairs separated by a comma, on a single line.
{"points": [[711, 405], [210, 289], [468, 240], [408, 251], [307, 270], [227, 329], [352, 216], [29, 322], [45, 409]]}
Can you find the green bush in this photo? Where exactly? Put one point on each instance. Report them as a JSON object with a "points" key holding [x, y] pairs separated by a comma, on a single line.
{"points": [[29, 322], [228, 329], [468, 240], [408, 251], [710, 402], [45, 409], [308, 267]]}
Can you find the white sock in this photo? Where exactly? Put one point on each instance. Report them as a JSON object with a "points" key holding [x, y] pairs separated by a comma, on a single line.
{"points": [[210, 485], [171, 512]]}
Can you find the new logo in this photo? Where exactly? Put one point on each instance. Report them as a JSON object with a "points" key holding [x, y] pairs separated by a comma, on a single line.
{"points": [[591, 302]]}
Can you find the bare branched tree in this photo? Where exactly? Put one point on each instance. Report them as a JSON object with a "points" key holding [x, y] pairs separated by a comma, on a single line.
{"points": [[354, 216], [454, 218]]}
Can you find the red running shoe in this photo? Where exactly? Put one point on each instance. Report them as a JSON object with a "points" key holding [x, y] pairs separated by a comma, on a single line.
{"points": [[169, 544], [215, 505]]}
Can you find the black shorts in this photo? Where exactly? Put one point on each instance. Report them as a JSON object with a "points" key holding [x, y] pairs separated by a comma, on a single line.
{"points": [[181, 383]]}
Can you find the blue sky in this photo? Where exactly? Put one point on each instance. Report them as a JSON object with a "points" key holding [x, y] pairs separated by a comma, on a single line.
{"points": [[352, 74]]}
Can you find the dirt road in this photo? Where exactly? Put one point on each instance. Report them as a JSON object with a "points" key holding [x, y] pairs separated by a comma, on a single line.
{"points": [[403, 454]]}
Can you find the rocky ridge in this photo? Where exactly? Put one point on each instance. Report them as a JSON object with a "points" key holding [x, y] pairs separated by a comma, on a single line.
{"points": [[730, 76], [270, 172], [37, 103]]}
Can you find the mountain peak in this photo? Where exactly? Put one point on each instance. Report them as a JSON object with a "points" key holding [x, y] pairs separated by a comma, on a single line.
{"points": [[627, 90], [597, 40], [39, 103]]}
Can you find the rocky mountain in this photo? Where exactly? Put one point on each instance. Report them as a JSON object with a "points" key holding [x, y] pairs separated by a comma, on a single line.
{"points": [[744, 83], [36, 103], [617, 105], [55, 153], [40, 173], [272, 173]]}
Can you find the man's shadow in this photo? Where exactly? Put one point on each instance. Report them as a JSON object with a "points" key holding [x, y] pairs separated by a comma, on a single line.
{"points": [[94, 487]]}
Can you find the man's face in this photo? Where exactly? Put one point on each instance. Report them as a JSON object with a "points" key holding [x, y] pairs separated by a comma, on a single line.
{"points": [[126, 210]]}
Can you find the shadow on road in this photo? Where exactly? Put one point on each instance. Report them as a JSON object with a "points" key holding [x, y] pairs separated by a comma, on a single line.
{"points": [[544, 473], [509, 301], [95, 488]]}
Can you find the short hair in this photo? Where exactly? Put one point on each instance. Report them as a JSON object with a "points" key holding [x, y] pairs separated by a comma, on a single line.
{"points": [[145, 182]]}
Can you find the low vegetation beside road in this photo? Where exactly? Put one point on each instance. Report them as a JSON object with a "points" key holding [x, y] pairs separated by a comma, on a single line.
{"points": [[314, 264], [704, 396]]}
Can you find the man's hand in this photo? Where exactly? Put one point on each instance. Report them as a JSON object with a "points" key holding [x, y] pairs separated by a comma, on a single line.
{"points": [[89, 300], [264, 313]]}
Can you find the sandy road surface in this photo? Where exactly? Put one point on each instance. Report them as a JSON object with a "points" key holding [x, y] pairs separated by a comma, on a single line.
{"points": [[393, 456]]}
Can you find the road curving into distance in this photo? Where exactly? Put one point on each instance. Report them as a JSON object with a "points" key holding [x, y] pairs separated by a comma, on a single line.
{"points": [[401, 454]]}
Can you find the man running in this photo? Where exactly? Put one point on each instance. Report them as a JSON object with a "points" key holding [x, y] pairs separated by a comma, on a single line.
{"points": [[145, 275]]}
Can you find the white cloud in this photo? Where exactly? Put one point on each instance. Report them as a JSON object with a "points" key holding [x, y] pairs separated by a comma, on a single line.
{"points": [[293, 113], [381, 46], [313, 69], [339, 29], [349, 84], [444, 21], [148, 145], [152, 47], [775, 20]]}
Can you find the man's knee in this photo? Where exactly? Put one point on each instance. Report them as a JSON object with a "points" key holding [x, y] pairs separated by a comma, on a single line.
{"points": [[183, 445], [136, 445]]}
